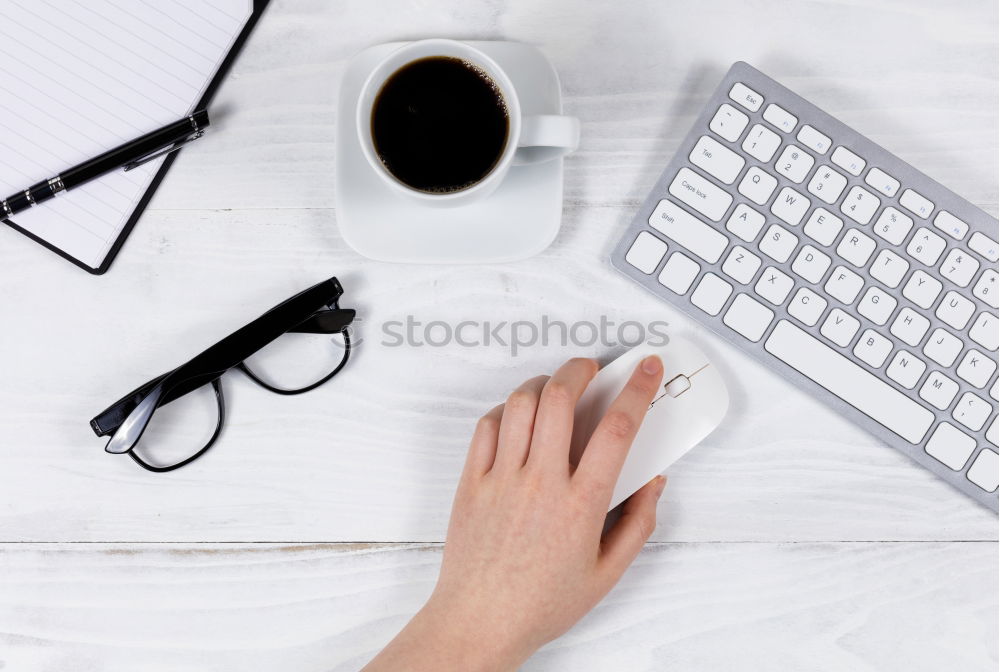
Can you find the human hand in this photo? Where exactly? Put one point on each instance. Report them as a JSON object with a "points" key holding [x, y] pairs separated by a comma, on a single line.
{"points": [[525, 557]]}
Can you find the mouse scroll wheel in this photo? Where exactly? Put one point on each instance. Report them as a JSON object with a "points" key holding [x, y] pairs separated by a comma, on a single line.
{"points": [[677, 386], [674, 388]]}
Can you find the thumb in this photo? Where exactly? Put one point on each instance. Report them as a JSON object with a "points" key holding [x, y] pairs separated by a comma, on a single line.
{"points": [[624, 541]]}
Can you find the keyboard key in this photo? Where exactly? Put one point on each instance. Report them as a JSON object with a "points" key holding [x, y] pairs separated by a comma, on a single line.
{"points": [[646, 252], [906, 369], [748, 317], [942, 347], [840, 327], [873, 348], [985, 331], [745, 222], [972, 412], [848, 160], [950, 224], [922, 289], [745, 96], [984, 246], [811, 264], [678, 273], [950, 447], [700, 194], [844, 285], [790, 206], [882, 182], [939, 390], [959, 267], [711, 294], [758, 185], [926, 246], [876, 305], [986, 289], [892, 226], [741, 265], [778, 243], [827, 184], [794, 163], [849, 381], [688, 231], [983, 471], [761, 143], [916, 204], [955, 310], [909, 326], [994, 393], [823, 226], [807, 306], [717, 160], [860, 205], [889, 268], [781, 118], [991, 433], [856, 247], [976, 368], [813, 139], [774, 285], [729, 123]]}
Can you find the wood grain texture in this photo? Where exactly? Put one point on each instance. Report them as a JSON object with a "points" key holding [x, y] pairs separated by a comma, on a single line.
{"points": [[920, 78], [809, 606], [374, 456], [782, 504]]}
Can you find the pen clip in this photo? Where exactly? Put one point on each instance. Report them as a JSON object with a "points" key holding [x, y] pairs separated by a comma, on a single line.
{"points": [[163, 152]]}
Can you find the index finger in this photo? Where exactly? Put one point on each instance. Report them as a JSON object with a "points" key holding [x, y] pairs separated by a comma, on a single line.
{"points": [[605, 453]]}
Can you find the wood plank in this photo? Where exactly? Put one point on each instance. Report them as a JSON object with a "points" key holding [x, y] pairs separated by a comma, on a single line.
{"points": [[808, 606], [374, 455], [636, 76]]}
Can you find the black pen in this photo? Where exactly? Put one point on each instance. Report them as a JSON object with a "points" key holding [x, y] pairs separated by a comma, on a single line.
{"points": [[128, 156]]}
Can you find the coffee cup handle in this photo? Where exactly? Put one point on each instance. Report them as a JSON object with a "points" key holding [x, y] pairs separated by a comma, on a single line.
{"points": [[545, 137]]}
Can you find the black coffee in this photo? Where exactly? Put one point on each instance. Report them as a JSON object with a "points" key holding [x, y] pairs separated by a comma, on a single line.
{"points": [[439, 124]]}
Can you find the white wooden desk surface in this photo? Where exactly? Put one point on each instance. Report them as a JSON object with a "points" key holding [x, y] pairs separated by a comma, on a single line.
{"points": [[790, 540]]}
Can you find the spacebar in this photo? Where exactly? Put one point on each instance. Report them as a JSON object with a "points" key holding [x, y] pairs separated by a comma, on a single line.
{"points": [[847, 380]]}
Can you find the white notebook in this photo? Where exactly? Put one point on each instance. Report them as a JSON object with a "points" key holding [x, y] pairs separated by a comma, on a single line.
{"points": [[79, 78]]}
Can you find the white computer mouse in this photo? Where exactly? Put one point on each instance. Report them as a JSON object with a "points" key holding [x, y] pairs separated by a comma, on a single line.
{"points": [[691, 402]]}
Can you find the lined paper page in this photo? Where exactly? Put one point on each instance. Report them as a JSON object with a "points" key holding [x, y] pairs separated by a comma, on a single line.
{"points": [[79, 78]]}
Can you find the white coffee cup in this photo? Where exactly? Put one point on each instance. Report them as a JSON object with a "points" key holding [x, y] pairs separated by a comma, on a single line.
{"points": [[530, 139]]}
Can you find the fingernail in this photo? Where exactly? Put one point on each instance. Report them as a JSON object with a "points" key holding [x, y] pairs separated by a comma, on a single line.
{"points": [[652, 365], [661, 483]]}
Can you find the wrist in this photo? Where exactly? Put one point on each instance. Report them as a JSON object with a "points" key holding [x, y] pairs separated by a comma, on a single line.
{"points": [[441, 639], [468, 639]]}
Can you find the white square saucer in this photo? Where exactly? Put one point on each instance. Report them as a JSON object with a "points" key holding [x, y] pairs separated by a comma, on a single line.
{"points": [[520, 219]]}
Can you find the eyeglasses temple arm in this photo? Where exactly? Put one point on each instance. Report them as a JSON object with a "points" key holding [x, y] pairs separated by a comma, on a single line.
{"points": [[130, 431], [331, 321], [108, 420]]}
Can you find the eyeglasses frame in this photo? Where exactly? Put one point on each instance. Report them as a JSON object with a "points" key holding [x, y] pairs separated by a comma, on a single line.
{"points": [[314, 311]]}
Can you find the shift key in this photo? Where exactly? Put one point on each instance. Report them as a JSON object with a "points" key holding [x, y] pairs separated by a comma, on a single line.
{"points": [[700, 194], [688, 231]]}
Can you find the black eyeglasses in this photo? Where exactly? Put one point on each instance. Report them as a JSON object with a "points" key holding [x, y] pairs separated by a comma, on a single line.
{"points": [[313, 315]]}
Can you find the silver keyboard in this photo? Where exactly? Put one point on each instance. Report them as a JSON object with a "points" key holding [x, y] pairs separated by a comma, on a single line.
{"points": [[827, 258]]}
